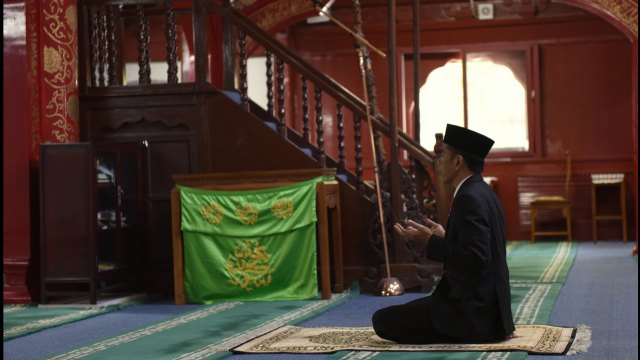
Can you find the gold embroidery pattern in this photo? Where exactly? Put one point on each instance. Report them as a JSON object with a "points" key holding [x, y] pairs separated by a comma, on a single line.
{"points": [[249, 265], [282, 208], [247, 214], [61, 68], [549, 340], [212, 213], [347, 338]]}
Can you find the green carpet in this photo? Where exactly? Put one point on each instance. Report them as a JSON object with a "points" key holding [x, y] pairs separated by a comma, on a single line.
{"points": [[208, 332], [19, 320], [537, 272]]}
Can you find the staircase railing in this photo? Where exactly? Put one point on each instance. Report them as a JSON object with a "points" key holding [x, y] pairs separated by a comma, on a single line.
{"points": [[102, 64], [280, 55]]}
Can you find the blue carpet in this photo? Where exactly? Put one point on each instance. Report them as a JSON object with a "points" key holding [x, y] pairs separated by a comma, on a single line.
{"points": [[48, 341], [599, 271], [601, 291]]}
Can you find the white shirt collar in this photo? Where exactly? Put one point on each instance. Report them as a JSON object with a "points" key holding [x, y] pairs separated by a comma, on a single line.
{"points": [[460, 184]]}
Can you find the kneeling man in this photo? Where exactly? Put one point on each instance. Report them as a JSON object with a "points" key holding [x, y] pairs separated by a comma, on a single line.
{"points": [[472, 301]]}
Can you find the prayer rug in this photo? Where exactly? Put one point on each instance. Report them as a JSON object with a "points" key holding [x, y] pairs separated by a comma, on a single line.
{"points": [[534, 339]]}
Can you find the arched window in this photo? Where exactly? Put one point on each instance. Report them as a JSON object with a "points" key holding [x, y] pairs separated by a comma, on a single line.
{"points": [[494, 101]]}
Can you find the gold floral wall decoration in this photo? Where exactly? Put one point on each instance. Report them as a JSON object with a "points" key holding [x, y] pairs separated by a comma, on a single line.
{"points": [[60, 76]]}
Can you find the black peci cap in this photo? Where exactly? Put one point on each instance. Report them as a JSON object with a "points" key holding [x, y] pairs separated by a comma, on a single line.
{"points": [[468, 141]]}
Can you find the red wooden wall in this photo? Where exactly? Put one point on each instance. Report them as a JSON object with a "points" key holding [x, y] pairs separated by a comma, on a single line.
{"points": [[587, 63], [583, 82]]}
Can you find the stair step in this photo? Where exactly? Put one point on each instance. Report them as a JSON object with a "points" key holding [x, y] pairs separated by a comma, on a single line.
{"points": [[236, 97], [307, 151], [272, 125], [233, 95]]}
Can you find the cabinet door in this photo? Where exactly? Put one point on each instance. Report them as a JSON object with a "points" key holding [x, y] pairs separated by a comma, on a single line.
{"points": [[66, 225], [107, 207], [120, 212], [131, 212]]}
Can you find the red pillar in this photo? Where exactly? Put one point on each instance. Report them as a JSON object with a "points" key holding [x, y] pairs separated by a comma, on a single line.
{"points": [[16, 122], [41, 105]]}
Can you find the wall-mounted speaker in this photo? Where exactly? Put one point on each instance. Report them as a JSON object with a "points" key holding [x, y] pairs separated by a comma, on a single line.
{"points": [[484, 11]]}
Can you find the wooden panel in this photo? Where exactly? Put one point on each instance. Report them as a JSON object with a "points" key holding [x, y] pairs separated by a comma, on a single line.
{"points": [[65, 201], [239, 141], [586, 91], [158, 251], [166, 158]]}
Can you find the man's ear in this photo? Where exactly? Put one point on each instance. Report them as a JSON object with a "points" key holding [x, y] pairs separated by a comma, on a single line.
{"points": [[459, 160]]}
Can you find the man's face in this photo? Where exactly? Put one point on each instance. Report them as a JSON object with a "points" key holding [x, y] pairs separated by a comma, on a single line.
{"points": [[447, 164]]}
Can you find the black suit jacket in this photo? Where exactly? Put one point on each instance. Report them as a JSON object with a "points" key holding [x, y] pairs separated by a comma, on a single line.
{"points": [[472, 301]]}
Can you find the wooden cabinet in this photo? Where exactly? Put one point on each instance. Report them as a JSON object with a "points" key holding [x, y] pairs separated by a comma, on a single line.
{"points": [[92, 216]]}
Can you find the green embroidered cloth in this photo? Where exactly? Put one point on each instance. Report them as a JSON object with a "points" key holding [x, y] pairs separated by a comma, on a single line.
{"points": [[250, 245]]}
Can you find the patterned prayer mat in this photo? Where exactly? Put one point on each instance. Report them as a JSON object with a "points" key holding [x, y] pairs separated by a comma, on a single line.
{"points": [[534, 339]]}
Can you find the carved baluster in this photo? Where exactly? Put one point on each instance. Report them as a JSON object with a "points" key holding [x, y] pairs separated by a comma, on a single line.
{"points": [[144, 70], [319, 128], [379, 148], [412, 168], [94, 48], [305, 109], [357, 138], [244, 87], [113, 19], [413, 178], [102, 47], [341, 155], [170, 33], [269, 64], [282, 128]]}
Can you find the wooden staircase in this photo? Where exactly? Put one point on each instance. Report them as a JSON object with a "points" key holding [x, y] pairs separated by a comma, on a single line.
{"points": [[195, 127]]}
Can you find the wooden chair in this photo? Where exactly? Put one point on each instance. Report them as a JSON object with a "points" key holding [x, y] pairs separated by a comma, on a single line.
{"points": [[554, 202]]}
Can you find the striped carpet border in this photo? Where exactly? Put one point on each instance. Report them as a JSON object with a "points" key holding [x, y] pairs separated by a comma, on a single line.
{"points": [[131, 336], [218, 347], [560, 258], [45, 323], [233, 341], [13, 308]]}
